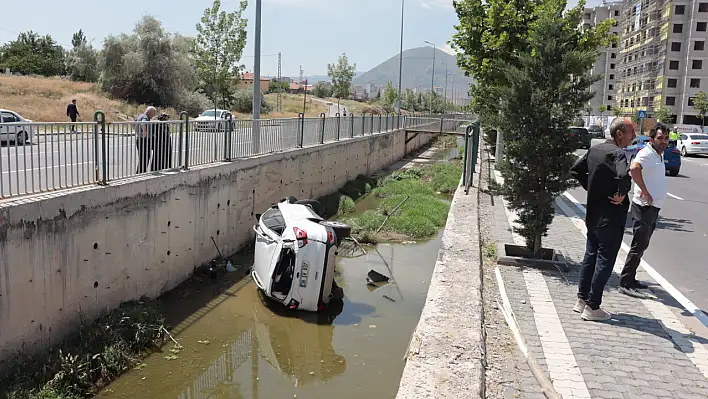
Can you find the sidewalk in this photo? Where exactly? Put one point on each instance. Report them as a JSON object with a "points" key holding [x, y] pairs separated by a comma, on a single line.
{"points": [[645, 351]]}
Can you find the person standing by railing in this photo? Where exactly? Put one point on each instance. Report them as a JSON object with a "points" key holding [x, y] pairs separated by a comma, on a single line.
{"points": [[72, 112], [144, 138], [162, 144]]}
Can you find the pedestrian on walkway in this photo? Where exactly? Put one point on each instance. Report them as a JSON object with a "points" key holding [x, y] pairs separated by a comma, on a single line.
{"points": [[144, 138], [604, 172], [72, 112], [649, 175]]}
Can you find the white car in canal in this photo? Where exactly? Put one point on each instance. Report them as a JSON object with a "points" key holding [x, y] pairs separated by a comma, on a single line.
{"points": [[295, 255], [692, 144], [14, 128]]}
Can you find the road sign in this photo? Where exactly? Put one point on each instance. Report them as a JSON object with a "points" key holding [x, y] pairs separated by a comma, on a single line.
{"points": [[642, 114]]}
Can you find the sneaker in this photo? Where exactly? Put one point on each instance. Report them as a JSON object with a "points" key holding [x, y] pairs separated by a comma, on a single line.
{"points": [[595, 315], [640, 286], [579, 306], [631, 291]]}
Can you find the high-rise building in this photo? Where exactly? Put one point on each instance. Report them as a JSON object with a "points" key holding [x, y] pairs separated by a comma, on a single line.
{"points": [[664, 61], [607, 63]]}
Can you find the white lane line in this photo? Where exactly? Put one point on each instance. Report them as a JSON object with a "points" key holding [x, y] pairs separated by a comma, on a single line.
{"points": [[665, 284], [562, 365], [674, 196]]}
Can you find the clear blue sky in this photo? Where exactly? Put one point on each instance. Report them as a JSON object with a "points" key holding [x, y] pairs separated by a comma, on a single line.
{"points": [[310, 33]]}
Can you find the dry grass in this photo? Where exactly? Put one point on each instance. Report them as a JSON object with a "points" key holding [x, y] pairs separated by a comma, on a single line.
{"points": [[45, 99]]}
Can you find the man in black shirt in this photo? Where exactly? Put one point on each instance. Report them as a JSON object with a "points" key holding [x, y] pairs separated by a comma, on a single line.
{"points": [[604, 172], [72, 112]]}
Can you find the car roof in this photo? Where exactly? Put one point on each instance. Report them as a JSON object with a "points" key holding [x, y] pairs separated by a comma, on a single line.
{"points": [[578, 127], [8, 110]]}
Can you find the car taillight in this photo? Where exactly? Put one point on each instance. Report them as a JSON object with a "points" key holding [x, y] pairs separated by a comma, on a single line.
{"points": [[301, 236], [293, 304], [330, 237], [695, 142]]}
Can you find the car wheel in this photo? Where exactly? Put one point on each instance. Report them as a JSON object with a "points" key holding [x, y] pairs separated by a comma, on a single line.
{"points": [[21, 138], [315, 205], [673, 172], [340, 229], [683, 152]]}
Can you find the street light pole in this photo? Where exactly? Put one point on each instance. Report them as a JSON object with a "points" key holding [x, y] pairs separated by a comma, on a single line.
{"points": [[400, 60], [432, 81], [256, 132]]}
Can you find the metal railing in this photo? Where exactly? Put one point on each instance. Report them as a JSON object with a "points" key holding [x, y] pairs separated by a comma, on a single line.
{"points": [[472, 134], [41, 157]]}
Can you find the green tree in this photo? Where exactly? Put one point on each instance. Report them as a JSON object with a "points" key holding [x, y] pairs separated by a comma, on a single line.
{"points": [[543, 89], [78, 39], [390, 95], [82, 60], [409, 101], [700, 104], [601, 109], [663, 114], [321, 90], [342, 75], [221, 37], [617, 111], [32, 54], [278, 87]]}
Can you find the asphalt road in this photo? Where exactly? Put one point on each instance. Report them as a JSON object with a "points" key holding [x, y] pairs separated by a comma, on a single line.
{"points": [[679, 243]]}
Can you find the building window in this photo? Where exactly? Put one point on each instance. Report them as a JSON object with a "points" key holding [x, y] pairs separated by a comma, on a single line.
{"points": [[609, 98], [699, 46], [672, 83], [695, 83], [702, 7], [613, 55], [673, 65], [697, 64], [690, 101], [611, 87], [680, 10], [612, 66], [675, 46], [614, 45], [701, 26], [612, 76], [670, 100], [587, 15], [678, 28]]}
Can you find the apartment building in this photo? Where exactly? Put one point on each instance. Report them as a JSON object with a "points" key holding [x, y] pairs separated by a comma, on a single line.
{"points": [[607, 63], [663, 56]]}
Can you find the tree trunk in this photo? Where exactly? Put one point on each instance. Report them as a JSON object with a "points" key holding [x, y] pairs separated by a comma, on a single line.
{"points": [[537, 247]]}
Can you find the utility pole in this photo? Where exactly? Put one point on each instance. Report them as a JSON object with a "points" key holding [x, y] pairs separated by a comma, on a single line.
{"points": [[304, 102], [256, 133], [400, 61], [432, 81], [279, 106]]}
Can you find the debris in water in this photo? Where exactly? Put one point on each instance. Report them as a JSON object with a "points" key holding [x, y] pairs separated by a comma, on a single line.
{"points": [[389, 298], [372, 325], [408, 242], [312, 373], [230, 267], [140, 366], [205, 342], [171, 357], [377, 277]]}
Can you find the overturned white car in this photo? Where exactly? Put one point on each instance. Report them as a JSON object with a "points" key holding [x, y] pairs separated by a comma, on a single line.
{"points": [[295, 255]]}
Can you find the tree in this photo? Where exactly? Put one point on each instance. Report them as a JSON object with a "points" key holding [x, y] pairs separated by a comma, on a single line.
{"points": [[617, 111], [700, 104], [322, 90], [544, 89], [342, 75], [390, 95], [601, 109], [31, 54], [78, 39], [150, 66], [221, 37], [663, 114], [278, 87], [82, 60], [409, 101]]}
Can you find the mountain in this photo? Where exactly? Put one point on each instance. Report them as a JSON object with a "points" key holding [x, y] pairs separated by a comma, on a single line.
{"points": [[418, 71]]}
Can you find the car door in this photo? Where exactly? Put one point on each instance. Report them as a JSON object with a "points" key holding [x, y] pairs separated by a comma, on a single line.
{"points": [[3, 130], [8, 131]]}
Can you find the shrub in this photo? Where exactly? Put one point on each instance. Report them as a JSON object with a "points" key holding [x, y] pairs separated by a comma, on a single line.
{"points": [[243, 102], [193, 103]]}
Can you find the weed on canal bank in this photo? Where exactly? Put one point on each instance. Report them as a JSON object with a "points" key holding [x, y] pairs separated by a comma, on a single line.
{"points": [[93, 357]]}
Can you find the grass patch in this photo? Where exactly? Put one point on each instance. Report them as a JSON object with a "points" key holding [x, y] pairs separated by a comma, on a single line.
{"points": [[96, 355], [343, 201], [346, 205], [421, 216]]}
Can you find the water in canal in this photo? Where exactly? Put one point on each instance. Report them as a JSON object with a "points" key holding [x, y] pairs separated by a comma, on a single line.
{"points": [[236, 346]]}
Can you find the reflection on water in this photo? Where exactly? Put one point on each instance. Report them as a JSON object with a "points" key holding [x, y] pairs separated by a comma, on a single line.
{"points": [[237, 344]]}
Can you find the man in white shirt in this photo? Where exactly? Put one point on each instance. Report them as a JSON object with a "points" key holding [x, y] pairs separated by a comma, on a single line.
{"points": [[649, 174]]}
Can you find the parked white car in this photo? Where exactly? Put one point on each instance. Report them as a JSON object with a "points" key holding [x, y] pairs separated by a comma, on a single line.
{"points": [[212, 120], [295, 255], [692, 144], [14, 128]]}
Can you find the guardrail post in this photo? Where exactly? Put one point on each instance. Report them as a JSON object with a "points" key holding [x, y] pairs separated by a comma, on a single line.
{"points": [[442, 119], [372, 123], [363, 124], [186, 140], [180, 145], [351, 132], [387, 118], [301, 134], [338, 126], [323, 117], [227, 138], [100, 118], [475, 143], [465, 156]]}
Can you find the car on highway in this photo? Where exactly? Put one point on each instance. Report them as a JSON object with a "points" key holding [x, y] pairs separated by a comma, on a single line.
{"points": [[692, 144], [596, 131], [14, 128], [212, 120], [295, 253], [583, 136], [672, 155]]}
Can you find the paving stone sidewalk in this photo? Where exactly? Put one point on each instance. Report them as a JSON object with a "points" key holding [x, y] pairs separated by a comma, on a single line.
{"points": [[643, 352]]}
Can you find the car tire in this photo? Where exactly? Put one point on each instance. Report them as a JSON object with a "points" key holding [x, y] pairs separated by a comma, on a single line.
{"points": [[315, 205], [673, 172], [21, 138], [340, 229], [684, 153]]}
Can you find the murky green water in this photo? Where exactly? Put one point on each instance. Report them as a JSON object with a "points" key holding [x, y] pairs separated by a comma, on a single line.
{"points": [[237, 346]]}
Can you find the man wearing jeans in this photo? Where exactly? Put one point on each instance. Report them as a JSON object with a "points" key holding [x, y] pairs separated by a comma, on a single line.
{"points": [[649, 175], [604, 172]]}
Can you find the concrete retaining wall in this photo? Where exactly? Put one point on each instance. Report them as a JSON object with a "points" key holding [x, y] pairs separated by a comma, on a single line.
{"points": [[84, 251], [446, 354]]}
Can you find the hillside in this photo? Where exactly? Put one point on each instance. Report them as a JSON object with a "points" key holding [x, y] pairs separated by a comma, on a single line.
{"points": [[418, 71]]}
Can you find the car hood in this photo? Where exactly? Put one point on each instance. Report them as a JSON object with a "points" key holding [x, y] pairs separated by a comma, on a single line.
{"points": [[207, 118]]}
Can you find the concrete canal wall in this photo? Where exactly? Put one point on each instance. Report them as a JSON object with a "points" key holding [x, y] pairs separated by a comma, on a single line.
{"points": [[79, 252]]}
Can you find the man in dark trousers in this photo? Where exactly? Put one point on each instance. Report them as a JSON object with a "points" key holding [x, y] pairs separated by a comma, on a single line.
{"points": [[72, 112], [604, 172], [144, 138]]}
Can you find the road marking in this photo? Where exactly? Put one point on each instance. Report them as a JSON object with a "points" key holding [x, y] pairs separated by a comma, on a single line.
{"points": [[674, 196], [562, 365], [665, 284]]}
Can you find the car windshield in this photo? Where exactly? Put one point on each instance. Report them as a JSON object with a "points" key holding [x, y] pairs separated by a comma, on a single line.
{"points": [[595, 128], [699, 137], [212, 113], [578, 130]]}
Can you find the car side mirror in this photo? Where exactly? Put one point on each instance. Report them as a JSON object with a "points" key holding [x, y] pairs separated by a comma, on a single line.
{"points": [[258, 216]]}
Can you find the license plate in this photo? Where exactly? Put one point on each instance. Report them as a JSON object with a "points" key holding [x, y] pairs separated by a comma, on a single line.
{"points": [[304, 274]]}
